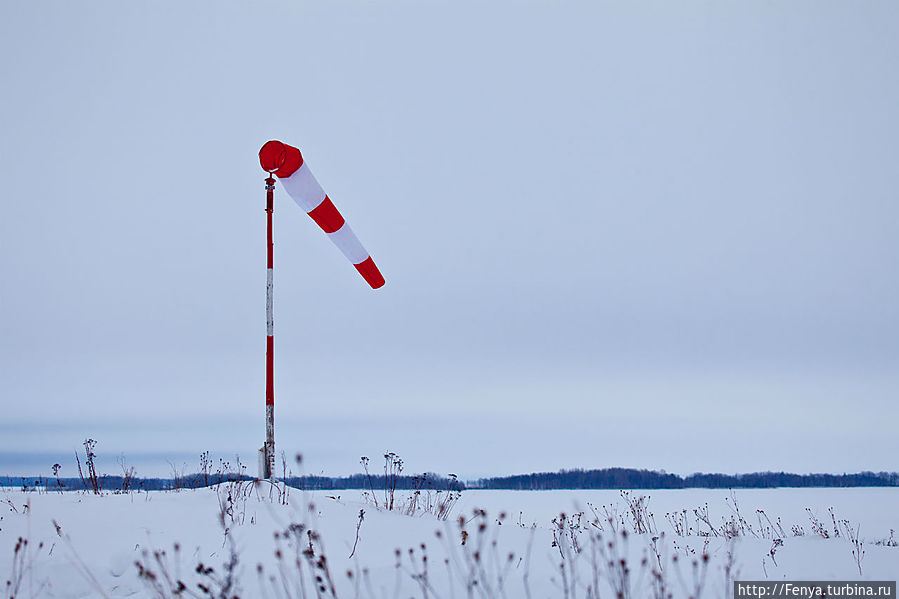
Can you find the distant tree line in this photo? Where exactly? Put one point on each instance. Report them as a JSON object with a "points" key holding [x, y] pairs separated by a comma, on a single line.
{"points": [[117, 483], [627, 478], [374, 482], [607, 478], [378, 482], [761, 480]]}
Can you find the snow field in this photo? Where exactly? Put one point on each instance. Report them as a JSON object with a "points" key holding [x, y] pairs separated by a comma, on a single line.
{"points": [[516, 544]]}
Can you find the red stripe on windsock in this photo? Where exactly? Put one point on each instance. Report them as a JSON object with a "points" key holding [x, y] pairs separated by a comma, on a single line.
{"points": [[370, 273], [279, 158], [327, 216]]}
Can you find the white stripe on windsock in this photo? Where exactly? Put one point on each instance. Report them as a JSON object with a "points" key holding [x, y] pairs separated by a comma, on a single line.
{"points": [[349, 244], [304, 189]]}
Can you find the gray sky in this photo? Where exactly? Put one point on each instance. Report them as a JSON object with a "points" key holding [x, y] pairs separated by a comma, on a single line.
{"points": [[659, 235]]}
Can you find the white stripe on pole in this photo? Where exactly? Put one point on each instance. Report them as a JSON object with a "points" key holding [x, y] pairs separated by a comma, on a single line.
{"points": [[269, 317]]}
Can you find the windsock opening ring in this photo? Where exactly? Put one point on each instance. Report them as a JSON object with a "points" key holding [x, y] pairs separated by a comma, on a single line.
{"points": [[279, 158]]}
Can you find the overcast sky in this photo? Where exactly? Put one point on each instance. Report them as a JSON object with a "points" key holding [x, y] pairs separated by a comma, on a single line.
{"points": [[641, 234]]}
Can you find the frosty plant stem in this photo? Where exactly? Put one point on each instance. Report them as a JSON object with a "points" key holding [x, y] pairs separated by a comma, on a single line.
{"points": [[89, 445], [393, 466], [358, 526], [371, 487]]}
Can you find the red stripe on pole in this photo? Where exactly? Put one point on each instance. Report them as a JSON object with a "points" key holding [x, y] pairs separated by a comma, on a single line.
{"points": [[270, 370], [280, 159], [327, 216], [270, 198], [370, 273]]}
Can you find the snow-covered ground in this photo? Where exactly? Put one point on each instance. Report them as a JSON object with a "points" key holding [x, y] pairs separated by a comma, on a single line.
{"points": [[511, 543]]}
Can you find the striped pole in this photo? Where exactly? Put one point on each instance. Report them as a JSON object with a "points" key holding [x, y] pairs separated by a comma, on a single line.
{"points": [[269, 448]]}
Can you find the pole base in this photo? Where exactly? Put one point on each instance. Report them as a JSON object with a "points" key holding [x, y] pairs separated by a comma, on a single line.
{"points": [[266, 461]]}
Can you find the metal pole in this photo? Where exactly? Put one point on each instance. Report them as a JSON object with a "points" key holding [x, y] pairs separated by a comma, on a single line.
{"points": [[268, 470]]}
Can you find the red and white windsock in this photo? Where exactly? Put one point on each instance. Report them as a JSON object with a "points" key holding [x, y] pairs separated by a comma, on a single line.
{"points": [[286, 163]]}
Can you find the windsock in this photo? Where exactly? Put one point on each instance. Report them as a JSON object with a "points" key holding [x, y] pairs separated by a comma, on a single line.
{"points": [[286, 163]]}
